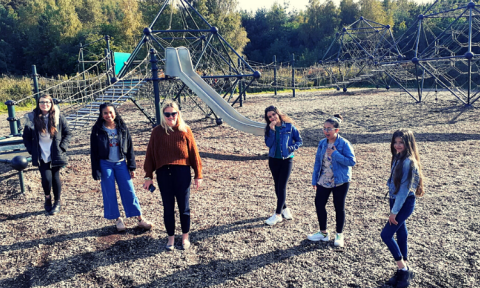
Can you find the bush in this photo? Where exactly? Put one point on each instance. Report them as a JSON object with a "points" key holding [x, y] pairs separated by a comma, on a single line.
{"points": [[14, 88]]}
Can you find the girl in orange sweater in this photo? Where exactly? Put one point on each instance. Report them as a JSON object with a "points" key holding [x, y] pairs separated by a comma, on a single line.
{"points": [[170, 153]]}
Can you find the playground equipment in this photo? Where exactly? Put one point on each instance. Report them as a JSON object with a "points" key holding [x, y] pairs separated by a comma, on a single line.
{"points": [[179, 64], [19, 163], [178, 23], [356, 51], [442, 50], [12, 150]]}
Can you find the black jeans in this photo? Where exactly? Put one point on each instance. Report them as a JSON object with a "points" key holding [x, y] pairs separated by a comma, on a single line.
{"points": [[281, 169], [339, 196], [50, 179], [174, 182]]}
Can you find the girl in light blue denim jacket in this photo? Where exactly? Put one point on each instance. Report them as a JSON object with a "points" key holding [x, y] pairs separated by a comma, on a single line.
{"points": [[332, 174], [404, 184], [282, 139]]}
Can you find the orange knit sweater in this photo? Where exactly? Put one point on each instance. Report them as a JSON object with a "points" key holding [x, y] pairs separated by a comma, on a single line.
{"points": [[174, 148]]}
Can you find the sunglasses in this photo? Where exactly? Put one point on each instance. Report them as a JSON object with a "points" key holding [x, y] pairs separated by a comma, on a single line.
{"points": [[168, 114]]}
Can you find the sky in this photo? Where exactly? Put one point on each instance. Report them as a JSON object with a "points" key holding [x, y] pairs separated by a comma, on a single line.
{"points": [[254, 5]]}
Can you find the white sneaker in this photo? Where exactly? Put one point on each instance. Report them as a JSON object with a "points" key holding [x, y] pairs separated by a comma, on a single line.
{"points": [[273, 220], [287, 214], [120, 225], [319, 236], [339, 242]]}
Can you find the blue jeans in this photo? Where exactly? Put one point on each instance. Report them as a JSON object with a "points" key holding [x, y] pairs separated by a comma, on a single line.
{"points": [[399, 248], [118, 171]]}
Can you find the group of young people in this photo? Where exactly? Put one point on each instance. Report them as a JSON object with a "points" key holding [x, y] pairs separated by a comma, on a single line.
{"points": [[332, 173], [172, 151]]}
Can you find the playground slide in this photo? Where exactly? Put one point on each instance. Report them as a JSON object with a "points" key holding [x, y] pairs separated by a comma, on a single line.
{"points": [[179, 64]]}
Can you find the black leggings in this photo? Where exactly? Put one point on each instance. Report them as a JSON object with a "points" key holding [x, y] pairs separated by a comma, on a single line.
{"points": [[281, 169], [174, 183], [50, 179], [339, 196]]}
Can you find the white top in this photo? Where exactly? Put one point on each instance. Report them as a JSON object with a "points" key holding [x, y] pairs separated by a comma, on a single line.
{"points": [[45, 142]]}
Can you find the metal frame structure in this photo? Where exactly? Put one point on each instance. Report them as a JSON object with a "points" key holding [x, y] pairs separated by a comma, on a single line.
{"points": [[446, 55], [206, 45], [356, 50]]}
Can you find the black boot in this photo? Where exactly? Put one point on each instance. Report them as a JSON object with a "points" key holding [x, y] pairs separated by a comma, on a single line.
{"points": [[403, 278], [48, 204], [56, 208], [393, 281]]}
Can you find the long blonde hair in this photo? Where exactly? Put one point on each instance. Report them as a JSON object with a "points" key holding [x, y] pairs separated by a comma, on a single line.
{"points": [[182, 126]]}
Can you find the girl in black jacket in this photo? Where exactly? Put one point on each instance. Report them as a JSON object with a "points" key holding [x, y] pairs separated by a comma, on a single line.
{"points": [[46, 137], [113, 160]]}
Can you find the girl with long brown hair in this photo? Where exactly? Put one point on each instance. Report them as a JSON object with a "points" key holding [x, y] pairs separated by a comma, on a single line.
{"points": [[283, 139], [405, 184], [46, 137]]}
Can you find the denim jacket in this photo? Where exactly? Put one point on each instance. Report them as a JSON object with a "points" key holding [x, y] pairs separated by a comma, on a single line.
{"points": [[290, 140], [408, 186], [343, 159]]}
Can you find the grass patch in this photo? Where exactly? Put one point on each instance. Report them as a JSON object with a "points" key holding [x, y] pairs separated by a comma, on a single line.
{"points": [[14, 88]]}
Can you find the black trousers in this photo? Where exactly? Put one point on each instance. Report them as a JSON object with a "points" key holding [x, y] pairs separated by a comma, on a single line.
{"points": [[339, 196], [50, 179], [174, 183], [281, 169]]}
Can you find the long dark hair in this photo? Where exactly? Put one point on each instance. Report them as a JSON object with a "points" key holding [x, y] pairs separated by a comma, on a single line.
{"points": [[411, 152], [118, 119], [283, 117], [39, 121]]}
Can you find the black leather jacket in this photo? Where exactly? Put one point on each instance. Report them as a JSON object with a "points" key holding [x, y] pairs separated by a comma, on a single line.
{"points": [[99, 148], [59, 147]]}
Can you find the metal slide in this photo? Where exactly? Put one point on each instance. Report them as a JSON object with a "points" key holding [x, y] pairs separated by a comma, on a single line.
{"points": [[179, 64]]}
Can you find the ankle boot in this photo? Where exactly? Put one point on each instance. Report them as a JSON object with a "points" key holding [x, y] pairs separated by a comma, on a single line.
{"points": [[48, 204], [404, 278], [56, 208]]}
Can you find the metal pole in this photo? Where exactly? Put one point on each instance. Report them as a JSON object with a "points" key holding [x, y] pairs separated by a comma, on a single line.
{"points": [[275, 73], [469, 52], [107, 63], [22, 181], [111, 55], [156, 90], [82, 61], [11, 117], [36, 90], [107, 40], [293, 74], [243, 82], [240, 84]]}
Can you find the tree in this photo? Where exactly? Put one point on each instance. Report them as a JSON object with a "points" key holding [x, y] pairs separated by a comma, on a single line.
{"points": [[349, 12], [90, 13], [8, 49], [321, 22], [131, 24], [373, 10], [223, 14]]}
